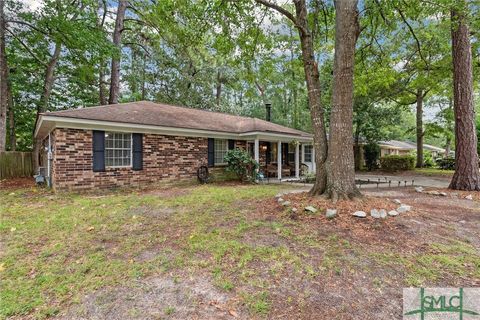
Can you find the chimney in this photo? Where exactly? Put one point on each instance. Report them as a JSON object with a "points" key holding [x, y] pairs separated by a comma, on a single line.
{"points": [[268, 109]]}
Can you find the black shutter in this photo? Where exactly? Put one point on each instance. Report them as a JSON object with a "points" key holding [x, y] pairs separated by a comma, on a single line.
{"points": [[137, 152], [268, 156], [231, 144], [211, 152], [98, 151], [286, 153]]}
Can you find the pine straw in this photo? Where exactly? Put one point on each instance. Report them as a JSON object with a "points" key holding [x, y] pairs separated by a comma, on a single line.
{"points": [[365, 229], [460, 193]]}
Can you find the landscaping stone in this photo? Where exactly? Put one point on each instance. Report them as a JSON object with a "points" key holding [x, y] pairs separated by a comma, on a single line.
{"points": [[433, 193], [331, 213], [393, 213], [359, 214], [375, 214], [294, 209], [419, 189], [278, 195], [311, 209], [397, 201], [443, 194], [286, 203], [404, 208], [280, 200], [469, 197], [383, 213]]}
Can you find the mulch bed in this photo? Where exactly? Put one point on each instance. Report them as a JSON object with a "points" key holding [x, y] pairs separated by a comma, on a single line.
{"points": [[16, 183]]}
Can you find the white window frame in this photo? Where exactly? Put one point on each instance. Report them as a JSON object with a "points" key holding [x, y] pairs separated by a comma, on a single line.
{"points": [[308, 146], [114, 148], [215, 151]]}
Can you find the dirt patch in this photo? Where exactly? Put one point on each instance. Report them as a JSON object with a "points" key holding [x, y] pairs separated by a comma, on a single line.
{"points": [[153, 212], [164, 297]]}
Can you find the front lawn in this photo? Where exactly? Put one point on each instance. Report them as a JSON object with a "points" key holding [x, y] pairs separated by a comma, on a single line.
{"points": [[218, 251]]}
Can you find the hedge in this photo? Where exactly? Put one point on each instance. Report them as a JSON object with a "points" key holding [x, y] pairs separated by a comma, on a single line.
{"points": [[397, 163]]}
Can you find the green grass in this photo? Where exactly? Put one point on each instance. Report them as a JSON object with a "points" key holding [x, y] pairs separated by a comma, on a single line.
{"points": [[434, 172], [59, 247]]}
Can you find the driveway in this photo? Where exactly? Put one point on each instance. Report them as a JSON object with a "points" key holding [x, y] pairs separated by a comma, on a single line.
{"points": [[418, 180]]}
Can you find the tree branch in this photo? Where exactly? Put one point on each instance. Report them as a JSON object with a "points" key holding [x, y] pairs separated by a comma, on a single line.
{"points": [[414, 36], [284, 12], [27, 48]]}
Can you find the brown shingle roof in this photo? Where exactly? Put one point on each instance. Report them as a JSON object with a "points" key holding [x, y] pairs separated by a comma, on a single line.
{"points": [[158, 114]]}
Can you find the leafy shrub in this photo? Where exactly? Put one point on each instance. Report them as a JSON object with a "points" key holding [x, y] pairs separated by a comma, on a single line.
{"points": [[428, 161], [239, 162], [397, 163], [371, 153], [446, 163]]}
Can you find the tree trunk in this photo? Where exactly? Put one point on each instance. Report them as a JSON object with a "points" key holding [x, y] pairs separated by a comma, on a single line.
{"points": [[3, 80], [44, 99], [117, 41], [357, 151], [448, 146], [419, 98], [340, 161], [312, 77], [102, 91], [467, 176], [11, 118], [218, 94]]}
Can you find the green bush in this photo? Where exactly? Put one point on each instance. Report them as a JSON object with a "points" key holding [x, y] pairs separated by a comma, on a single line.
{"points": [[397, 163], [239, 162], [371, 153], [446, 163], [428, 161]]}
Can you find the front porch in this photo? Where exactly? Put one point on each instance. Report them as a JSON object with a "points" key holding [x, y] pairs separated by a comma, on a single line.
{"points": [[282, 159]]}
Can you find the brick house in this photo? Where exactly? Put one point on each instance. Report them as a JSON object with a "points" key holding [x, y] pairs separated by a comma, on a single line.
{"points": [[136, 143]]}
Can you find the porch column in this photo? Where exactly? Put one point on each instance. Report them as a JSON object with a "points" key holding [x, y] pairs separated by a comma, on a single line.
{"points": [[256, 151], [297, 160], [303, 153], [314, 163], [279, 160]]}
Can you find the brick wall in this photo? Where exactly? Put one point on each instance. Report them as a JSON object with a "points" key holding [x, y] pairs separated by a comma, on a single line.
{"points": [[164, 158]]}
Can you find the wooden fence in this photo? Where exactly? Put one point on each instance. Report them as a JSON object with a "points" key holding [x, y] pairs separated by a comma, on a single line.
{"points": [[15, 164]]}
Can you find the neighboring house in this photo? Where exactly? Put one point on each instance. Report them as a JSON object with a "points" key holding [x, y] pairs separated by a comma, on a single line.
{"points": [[144, 142], [395, 147]]}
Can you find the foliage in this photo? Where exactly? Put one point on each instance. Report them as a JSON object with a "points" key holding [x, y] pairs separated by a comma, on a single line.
{"points": [[371, 153], [241, 163], [446, 163], [397, 162], [428, 160]]}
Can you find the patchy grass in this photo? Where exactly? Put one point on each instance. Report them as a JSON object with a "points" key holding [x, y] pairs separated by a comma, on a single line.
{"points": [[56, 248], [434, 172]]}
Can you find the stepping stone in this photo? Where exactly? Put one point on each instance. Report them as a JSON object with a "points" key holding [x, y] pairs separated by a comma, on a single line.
{"points": [[359, 214], [331, 213], [393, 213], [404, 208], [383, 213], [311, 209], [375, 214]]}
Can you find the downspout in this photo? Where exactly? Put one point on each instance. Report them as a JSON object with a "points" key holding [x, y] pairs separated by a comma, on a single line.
{"points": [[49, 161]]}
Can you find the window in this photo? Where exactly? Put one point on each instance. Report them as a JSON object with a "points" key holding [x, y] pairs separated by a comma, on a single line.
{"points": [[291, 153], [307, 156], [221, 148], [118, 149]]}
